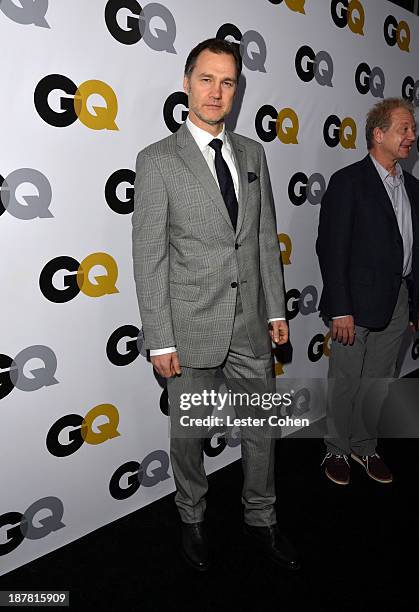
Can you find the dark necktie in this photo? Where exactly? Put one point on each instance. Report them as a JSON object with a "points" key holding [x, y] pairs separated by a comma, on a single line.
{"points": [[225, 181]]}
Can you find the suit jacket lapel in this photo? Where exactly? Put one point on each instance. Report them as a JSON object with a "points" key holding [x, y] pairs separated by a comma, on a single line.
{"points": [[239, 153], [193, 158]]}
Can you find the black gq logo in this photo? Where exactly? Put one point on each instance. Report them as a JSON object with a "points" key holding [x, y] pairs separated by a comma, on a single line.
{"points": [[121, 203], [178, 98]]}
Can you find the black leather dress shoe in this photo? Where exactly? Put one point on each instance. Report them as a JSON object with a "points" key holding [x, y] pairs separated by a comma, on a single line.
{"points": [[274, 544], [194, 546]]}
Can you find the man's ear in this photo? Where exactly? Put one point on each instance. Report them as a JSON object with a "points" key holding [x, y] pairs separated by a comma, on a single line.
{"points": [[186, 85], [378, 135]]}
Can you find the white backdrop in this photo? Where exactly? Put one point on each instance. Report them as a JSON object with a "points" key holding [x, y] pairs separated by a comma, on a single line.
{"points": [[84, 88]]}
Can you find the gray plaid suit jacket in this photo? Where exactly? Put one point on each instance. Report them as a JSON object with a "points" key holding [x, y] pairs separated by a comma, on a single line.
{"points": [[187, 255]]}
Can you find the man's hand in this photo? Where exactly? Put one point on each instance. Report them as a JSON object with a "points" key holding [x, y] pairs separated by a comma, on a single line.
{"points": [[278, 331], [167, 365], [343, 329]]}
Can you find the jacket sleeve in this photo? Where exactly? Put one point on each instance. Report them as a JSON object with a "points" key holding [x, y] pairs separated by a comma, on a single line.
{"points": [[150, 247], [270, 255], [334, 243]]}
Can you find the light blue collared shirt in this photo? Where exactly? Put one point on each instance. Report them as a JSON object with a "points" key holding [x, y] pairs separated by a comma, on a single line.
{"points": [[396, 191]]}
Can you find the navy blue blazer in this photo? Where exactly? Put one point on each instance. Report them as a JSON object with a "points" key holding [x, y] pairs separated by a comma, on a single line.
{"points": [[360, 248]]}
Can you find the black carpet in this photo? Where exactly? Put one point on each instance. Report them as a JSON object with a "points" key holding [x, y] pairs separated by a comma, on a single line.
{"points": [[358, 543]]}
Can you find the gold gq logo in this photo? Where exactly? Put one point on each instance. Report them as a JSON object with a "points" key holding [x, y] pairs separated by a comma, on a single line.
{"points": [[397, 33], [285, 245], [348, 13], [79, 279], [342, 132], [75, 104], [283, 124], [83, 430], [294, 5]]}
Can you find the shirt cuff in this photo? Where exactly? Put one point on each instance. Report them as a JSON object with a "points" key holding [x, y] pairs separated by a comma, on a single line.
{"points": [[340, 317], [276, 319], [162, 351]]}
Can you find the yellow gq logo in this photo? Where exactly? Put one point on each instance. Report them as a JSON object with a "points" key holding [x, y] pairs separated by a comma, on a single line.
{"points": [[78, 278], [77, 105], [397, 33], [294, 5], [342, 132], [348, 13], [285, 242], [82, 430], [283, 124]]}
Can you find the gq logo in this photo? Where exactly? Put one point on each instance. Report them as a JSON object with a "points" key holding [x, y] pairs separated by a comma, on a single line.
{"points": [[128, 478], [370, 79], [65, 109], [304, 302], [397, 33], [348, 13], [310, 65], [120, 197], [178, 98], [128, 23], [29, 12], [124, 345], [19, 526], [285, 245], [342, 132], [415, 350], [217, 440], [410, 90], [14, 196], [82, 430], [319, 346], [253, 60], [78, 279], [283, 125], [302, 188], [13, 372], [293, 5]]}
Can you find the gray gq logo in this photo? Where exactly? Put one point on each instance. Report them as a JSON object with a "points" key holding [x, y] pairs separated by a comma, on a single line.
{"points": [[127, 479], [310, 65], [302, 188], [128, 23], [29, 12], [370, 79], [253, 60], [12, 371], [20, 526], [35, 206]]}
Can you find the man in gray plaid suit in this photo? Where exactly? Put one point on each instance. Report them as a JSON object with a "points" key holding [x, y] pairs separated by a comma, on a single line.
{"points": [[210, 287]]}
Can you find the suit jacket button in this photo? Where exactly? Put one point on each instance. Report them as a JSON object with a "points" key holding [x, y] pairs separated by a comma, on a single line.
{"points": [[236, 246], [234, 285]]}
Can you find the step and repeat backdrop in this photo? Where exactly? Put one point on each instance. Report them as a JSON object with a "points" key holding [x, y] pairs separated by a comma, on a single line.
{"points": [[86, 85]]}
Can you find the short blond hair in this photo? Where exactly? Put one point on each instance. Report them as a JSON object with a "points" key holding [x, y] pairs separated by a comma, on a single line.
{"points": [[380, 116]]}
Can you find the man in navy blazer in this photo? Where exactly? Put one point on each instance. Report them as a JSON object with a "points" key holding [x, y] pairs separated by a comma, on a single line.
{"points": [[368, 249]]}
